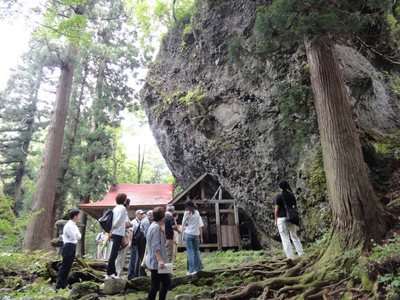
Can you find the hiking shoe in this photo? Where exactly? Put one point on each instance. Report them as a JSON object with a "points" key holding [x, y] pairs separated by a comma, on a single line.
{"points": [[193, 273]]}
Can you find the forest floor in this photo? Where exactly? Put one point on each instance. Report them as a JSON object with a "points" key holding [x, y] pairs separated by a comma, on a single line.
{"points": [[228, 275]]}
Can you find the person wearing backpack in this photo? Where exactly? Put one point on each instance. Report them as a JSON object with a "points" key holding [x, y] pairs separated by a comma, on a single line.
{"points": [[135, 236], [287, 230], [117, 233]]}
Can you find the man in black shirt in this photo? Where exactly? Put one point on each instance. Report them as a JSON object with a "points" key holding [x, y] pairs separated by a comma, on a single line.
{"points": [[287, 230], [170, 226]]}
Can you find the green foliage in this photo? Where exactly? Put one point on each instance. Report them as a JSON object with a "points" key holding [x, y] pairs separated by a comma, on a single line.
{"points": [[389, 145], [39, 290], [57, 23], [155, 17], [288, 21], [191, 97], [11, 227], [298, 111], [222, 259], [317, 179], [31, 261], [387, 255]]}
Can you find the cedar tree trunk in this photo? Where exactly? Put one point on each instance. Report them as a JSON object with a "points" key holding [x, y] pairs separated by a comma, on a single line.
{"points": [[357, 214], [39, 231]]}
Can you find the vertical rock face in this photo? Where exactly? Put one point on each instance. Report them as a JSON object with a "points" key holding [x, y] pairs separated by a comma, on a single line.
{"points": [[209, 116]]}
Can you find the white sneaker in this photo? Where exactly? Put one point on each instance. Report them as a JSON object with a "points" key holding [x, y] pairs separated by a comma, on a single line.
{"points": [[108, 277], [193, 273]]}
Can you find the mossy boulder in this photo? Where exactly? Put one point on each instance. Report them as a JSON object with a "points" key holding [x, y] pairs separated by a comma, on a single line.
{"points": [[139, 284], [80, 290], [14, 282]]}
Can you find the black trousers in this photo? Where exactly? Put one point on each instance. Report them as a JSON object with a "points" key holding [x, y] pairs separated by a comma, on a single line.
{"points": [[159, 282], [139, 270], [117, 241], [68, 254]]}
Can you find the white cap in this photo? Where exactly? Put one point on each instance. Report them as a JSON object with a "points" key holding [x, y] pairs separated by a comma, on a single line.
{"points": [[139, 212]]}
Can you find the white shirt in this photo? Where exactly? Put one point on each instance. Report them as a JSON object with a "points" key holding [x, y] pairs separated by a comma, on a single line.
{"points": [[119, 220], [101, 237], [192, 222], [135, 223], [71, 233]]}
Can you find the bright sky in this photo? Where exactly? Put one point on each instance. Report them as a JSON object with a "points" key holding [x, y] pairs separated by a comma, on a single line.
{"points": [[15, 39]]}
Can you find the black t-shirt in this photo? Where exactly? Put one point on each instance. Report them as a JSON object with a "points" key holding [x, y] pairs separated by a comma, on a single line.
{"points": [[169, 222], [290, 202]]}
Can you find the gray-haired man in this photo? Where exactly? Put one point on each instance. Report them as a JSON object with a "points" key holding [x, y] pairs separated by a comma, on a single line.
{"points": [[170, 226]]}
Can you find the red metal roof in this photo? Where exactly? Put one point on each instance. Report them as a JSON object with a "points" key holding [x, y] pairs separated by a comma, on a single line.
{"points": [[140, 195]]}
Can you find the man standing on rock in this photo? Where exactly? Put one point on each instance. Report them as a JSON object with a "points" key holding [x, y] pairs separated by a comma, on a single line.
{"points": [[132, 273], [287, 230], [170, 226], [70, 237]]}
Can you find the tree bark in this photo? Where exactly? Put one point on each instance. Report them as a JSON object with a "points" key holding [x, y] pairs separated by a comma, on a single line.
{"points": [[357, 214], [140, 163], [25, 145], [59, 204], [92, 158], [40, 228]]}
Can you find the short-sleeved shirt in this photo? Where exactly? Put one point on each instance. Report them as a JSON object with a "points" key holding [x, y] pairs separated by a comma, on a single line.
{"points": [[192, 222], [290, 202], [169, 222]]}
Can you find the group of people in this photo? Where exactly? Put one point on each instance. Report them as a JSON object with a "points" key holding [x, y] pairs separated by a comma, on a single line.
{"points": [[152, 240]]}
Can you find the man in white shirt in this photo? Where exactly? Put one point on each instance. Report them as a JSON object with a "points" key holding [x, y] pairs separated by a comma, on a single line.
{"points": [[133, 269], [71, 235]]}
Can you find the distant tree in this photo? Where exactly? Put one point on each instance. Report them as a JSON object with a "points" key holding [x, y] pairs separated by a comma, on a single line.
{"points": [[21, 117]]}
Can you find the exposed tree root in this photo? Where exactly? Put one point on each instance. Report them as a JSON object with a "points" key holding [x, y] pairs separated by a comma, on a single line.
{"points": [[251, 290]]}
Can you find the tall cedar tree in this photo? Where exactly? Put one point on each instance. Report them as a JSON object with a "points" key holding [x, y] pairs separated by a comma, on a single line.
{"points": [[85, 173], [39, 231]]}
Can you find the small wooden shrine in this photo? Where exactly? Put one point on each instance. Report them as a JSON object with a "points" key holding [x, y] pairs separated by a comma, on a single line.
{"points": [[218, 210]]}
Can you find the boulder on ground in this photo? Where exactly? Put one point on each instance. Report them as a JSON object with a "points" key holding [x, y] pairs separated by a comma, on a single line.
{"points": [[114, 286], [80, 290], [139, 284]]}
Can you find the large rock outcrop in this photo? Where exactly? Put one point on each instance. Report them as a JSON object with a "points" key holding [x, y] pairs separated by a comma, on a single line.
{"points": [[209, 116]]}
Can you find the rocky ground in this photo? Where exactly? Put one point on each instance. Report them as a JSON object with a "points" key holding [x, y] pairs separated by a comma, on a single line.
{"points": [[229, 275]]}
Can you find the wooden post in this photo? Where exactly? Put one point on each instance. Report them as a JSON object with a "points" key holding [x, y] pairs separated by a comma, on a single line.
{"points": [[237, 226], [208, 227], [220, 193], [188, 196], [203, 194], [218, 222]]}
